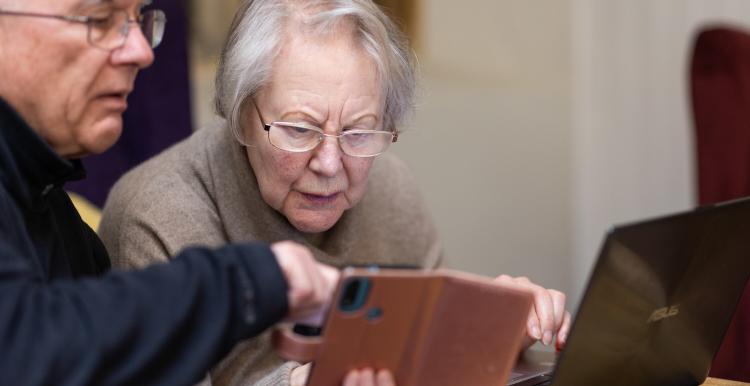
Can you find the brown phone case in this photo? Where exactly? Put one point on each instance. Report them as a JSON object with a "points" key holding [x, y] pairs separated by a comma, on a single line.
{"points": [[430, 328]]}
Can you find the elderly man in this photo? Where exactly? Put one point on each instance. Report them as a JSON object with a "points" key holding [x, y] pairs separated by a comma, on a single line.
{"points": [[66, 68]]}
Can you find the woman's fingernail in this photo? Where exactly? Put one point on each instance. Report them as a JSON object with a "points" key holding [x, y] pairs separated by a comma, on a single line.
{"points": [[547, 338], [536, 333]]}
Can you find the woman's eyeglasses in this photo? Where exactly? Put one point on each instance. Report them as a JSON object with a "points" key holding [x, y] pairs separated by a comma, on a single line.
{"points": [[299, 137]]}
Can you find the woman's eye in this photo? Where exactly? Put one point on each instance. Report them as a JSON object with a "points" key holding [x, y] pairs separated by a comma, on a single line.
{"points": [[296, 131], [357, 138]]}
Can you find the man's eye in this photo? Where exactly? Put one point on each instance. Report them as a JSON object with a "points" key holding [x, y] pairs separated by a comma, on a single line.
{"points": [[98, 16], [100, 21]]}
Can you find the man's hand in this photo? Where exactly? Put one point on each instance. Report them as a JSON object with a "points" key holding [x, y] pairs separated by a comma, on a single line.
{"points": [[547, 317], [311, 284]]}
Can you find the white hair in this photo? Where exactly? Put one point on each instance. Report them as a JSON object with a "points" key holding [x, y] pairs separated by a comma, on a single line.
{"points": [[256, 36]]}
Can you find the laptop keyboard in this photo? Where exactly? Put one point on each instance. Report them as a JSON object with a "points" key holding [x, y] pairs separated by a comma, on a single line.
{"points": [[538, 380], [546, 382]]}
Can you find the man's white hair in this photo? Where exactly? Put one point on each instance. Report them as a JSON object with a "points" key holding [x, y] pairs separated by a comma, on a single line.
{"points": [[257, 33]]}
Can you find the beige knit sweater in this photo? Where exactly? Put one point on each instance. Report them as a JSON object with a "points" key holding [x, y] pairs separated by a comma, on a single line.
{"points": [[202, 191]]}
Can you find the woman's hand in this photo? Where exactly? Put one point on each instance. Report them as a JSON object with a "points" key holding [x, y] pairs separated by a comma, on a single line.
{"points": [[368, 377], [364, 377], [299, 375], [548, 316]]}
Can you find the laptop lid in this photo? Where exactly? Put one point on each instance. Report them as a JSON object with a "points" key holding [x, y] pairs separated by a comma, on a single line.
{"points": [[660, 299]]}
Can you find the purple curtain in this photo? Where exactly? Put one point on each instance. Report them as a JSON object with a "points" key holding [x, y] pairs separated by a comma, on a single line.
{"points": [[158, 114]]}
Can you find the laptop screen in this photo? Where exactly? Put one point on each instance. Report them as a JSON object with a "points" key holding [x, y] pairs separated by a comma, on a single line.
{"points": [[660, 299]]}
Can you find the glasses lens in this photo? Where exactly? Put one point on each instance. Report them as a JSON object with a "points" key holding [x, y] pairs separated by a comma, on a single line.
{"points": [[365, 143], [108, 31], [152, 24], [293, 138]]}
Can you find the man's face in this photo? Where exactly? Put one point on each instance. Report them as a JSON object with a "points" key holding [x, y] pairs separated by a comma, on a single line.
{"points": [[71, 93]]}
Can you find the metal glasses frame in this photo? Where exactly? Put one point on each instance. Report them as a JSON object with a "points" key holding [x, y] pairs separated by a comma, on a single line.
{"points": [[321, 133], [158, 16]]}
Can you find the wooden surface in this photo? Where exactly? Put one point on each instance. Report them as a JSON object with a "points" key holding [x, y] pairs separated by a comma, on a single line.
{"points": [[721, 382], [537, 355]]}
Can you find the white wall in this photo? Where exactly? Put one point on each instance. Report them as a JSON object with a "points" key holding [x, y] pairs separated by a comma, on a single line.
{"points": [[491, 142], [633, 136], [544, 123]]}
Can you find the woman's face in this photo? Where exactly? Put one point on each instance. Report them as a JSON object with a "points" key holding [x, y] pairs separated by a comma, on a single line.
{"points": [[331, 84]]}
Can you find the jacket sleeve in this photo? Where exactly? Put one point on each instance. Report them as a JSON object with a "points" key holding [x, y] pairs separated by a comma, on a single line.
{"points": [[164, 325]]}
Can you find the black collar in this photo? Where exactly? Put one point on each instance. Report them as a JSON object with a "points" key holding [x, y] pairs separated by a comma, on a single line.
{"points": [[29, 165]]}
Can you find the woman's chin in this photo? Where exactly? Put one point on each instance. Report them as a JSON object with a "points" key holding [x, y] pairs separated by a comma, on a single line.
{"points": [[313, 224]]}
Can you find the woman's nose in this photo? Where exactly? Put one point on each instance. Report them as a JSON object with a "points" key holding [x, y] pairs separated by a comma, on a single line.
{"points": [[326, 158]]}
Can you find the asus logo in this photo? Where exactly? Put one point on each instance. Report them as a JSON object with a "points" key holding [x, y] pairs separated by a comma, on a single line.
{"points": [[663, 313]]}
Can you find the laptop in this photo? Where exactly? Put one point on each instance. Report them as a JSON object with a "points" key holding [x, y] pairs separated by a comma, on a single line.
{"points": [[658, 302]]}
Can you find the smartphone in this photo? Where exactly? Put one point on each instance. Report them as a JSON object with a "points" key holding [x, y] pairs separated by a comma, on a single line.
{"points": [[430, 328]]}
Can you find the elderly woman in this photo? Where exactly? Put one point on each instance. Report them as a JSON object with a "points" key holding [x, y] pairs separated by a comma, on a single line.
{"points": [[310, 95]]}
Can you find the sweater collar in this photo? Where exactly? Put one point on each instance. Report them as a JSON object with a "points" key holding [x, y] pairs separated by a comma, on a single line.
{"points": [[31, 162]]}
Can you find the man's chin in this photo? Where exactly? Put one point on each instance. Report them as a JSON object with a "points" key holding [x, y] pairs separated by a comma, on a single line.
{"points": [[100, 136]]}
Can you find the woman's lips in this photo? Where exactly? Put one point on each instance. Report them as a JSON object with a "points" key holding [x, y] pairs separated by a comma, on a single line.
{"points": [[318, 199]]}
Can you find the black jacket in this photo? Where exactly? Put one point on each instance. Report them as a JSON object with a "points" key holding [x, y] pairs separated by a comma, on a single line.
{"points": [[65, 320]]}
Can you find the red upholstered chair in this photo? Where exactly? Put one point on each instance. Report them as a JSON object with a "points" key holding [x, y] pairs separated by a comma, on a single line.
{"points": [[720, 77]]}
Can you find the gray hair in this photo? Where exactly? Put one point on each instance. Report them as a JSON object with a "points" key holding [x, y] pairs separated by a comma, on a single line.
{"points": [[258, 30]]}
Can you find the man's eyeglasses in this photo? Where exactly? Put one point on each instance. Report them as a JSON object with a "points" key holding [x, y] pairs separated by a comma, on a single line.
{"points": [[299, 137], [110, 31]]}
